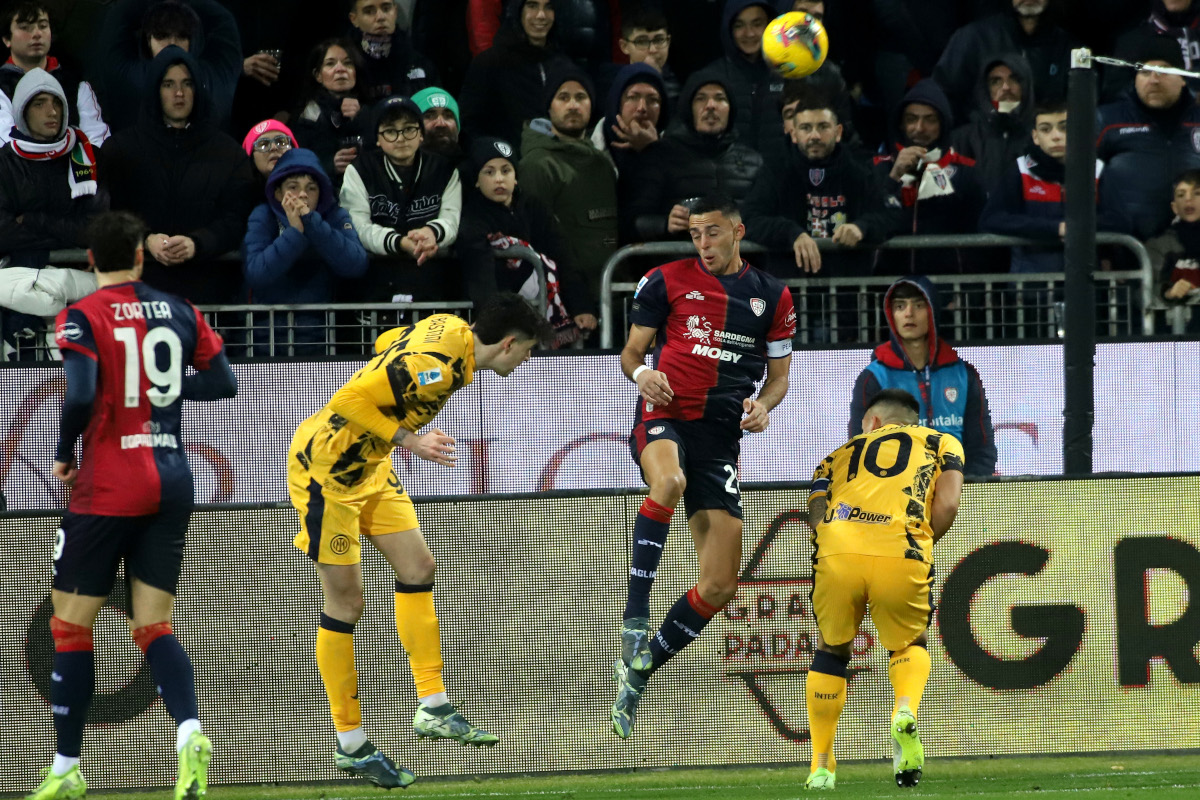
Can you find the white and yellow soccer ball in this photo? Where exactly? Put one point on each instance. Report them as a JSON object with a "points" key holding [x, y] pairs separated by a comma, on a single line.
{"points": [[795, 44]]}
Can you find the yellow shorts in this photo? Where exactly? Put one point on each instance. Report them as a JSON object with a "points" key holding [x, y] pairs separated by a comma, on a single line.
{"points": [[897, 590], [331, 520]]}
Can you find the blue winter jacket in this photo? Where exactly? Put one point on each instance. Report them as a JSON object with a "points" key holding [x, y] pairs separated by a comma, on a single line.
{"points": [[283, 265], [948, 389]]}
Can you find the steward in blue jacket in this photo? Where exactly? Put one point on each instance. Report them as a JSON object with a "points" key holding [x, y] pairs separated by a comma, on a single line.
{"points": [[300, 242], [916, 360]]}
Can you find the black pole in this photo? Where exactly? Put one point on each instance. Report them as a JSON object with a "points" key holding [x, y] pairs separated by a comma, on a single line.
{"points": [[1079, 344]]}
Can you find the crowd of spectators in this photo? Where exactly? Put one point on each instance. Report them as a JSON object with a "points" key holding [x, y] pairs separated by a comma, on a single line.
{"points": [[391, 149]]}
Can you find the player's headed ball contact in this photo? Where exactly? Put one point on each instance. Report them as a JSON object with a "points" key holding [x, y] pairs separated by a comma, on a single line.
{"points": [[795, 44]]}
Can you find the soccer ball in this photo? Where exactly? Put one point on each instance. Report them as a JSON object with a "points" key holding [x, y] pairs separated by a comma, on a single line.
{"points": [[795, 44]]}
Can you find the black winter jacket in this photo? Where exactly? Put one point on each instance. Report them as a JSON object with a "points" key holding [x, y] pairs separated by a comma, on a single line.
{"points": [[194, 181], [506, 84], [38, 192], [403, 71], [1048, 51], [319, 126], [688, 164], [992, 139]]}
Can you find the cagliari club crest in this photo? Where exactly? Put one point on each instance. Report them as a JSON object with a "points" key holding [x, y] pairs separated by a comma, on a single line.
{"points": [[951, 394], [815, 176], [758, 306]]}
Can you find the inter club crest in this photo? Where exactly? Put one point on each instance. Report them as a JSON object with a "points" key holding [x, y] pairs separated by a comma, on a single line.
{"points": [[815, 176], [758, 306], [951, 394]]}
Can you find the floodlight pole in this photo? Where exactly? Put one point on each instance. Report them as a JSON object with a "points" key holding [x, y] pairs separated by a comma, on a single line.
{"points": [[1079, 329]]}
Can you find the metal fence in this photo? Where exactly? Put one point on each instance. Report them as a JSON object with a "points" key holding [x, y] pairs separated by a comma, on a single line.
{"points": [[998, 306]]}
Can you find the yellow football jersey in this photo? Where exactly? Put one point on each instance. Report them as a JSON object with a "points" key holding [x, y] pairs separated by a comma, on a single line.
{"points": [[877, 489], [413, 374]]}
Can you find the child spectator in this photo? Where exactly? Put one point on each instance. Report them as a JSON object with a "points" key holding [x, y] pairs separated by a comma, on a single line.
{"points": [[1177, 251], [497, 215], [404, 202], [332, 117], [297, 244]]}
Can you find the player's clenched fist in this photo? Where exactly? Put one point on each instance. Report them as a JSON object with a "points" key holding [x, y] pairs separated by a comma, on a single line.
{"points": [[654, 386], [434, 445]]}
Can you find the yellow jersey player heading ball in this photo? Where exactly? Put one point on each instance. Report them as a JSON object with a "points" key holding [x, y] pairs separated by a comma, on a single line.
{"points": [[342, 484], [877, 506]]}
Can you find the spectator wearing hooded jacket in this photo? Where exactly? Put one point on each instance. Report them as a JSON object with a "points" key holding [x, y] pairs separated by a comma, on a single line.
{"points": [[392, 66], [563, 170], [48, 187], [753, 86], [701, 156], [506, 84], [1025, 27], [1147, 138], [917, 360], [28, 37], [1174, 20], [496, 212], [136, 31], [939, 189], [191, 183], [998, 132], [298, 243], [405, 202], [332, 119]]}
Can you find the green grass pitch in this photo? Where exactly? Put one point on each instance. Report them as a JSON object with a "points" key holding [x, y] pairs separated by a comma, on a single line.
{"points": [[1108, 776]]}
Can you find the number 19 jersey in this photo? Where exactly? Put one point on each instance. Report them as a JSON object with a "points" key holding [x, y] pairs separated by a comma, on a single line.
{"points": [[878, 488], [141, 339]]}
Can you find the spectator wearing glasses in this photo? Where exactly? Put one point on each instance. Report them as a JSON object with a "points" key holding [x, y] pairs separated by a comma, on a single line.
{"points": [[190, 182], [265, 144], [404, 202], [646, 40], [332, 120]]}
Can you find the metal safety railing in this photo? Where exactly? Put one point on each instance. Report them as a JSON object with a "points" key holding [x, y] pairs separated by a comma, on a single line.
{"points": [[833, 310], [288, 331]]}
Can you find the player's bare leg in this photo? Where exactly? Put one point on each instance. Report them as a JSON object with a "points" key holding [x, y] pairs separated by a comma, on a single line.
{"points": [[342, 588], [417, 625], [908, 670], [660, 465]]}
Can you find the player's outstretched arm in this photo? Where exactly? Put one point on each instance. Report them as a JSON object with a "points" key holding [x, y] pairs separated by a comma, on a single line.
{"points": [[944, 506], [434, 445], [215, 383], [652, 384]]}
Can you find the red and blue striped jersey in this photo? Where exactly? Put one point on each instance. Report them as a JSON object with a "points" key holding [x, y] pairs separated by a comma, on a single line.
{"points": [[714, 335], [141, 339]]}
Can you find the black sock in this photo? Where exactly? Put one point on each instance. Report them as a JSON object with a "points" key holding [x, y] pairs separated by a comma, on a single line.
{"points": [[650, 529], [71, 687], [173, 673], [682, 626]]}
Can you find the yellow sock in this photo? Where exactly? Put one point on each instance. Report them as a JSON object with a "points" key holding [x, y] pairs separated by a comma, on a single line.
{"points": [[825, 694], [908, 670], [417, 624], [335, 662]]}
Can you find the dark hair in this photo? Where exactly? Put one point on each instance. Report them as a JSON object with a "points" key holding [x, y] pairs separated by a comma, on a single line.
{"points": [[647, 19], [506, 313], [316, 57], [169, 18], [1050, 107], [1191, 177], [393, 112], [811, 98], [114, 237], [898, 405], [22, 11], [713, 203], [905, 289]]}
